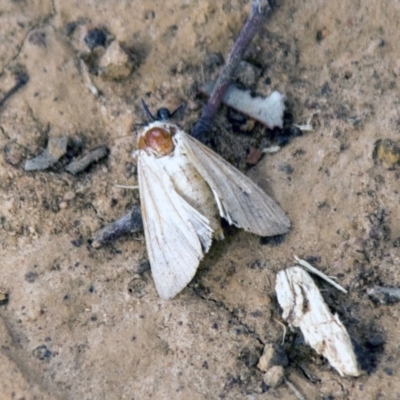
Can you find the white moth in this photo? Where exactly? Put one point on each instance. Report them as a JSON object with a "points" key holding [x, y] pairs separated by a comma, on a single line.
{"points": [[184, 190]]}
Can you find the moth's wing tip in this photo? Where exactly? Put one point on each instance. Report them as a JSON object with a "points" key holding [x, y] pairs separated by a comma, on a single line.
{"points": [[167, 293]]}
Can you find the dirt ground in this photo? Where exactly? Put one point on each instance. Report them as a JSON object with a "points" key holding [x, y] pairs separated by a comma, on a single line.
{"points": [[86, 323]]}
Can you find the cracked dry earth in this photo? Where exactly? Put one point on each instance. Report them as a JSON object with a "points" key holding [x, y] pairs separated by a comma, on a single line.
{"points": [[84, 323]]}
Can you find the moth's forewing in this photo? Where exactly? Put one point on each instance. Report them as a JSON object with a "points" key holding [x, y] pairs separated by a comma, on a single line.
{"points": [[241, 201], [176, 234]]}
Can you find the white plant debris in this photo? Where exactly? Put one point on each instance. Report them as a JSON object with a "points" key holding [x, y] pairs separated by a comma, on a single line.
{"points": [[307, 127], [315, 271], [267, 110], [304, 308], [87, 80]]}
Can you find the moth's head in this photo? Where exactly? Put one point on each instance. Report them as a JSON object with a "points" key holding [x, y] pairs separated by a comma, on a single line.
{"points": [[157, 138]]}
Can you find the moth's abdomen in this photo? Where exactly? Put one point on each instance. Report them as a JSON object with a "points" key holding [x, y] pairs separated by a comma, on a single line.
{"points": [[194, 189]]}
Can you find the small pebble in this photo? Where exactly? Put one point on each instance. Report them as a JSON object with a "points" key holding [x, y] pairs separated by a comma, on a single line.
{"points": [[95, 38], [137, 286], [38, 38], [272, 355], [4, 297], [386, 152], [384, 295], [63, 205], [254, 156], [13, 153], [116, 63], [322, 34], [274, 376], [42, 352], [68, 196]]}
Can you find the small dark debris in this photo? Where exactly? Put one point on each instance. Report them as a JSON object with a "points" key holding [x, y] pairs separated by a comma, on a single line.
{"points": [[273, 354], [386, 152], [42, 352], [249, 356], [236, 118], [254, 155], [288, 133], [272, 240], [77, 242], [70, 27], [21, 79], [367, 358], [308, 374], [256, 314], [286, 168], [247, 74], [80, 165], [144, 265], [313, 259], [131, 222], [4, 298], [322, 34], [213, 61], [95, 38], [13, 153], [396, 242], [388, 371], [37, 38], [205, 365], [326, 89], [56, 148], [257, 264], [384, 295], [375, 340], [91, 289], [150, 15], [283, 136], [30, 277], [137, 286], [287, 118]]}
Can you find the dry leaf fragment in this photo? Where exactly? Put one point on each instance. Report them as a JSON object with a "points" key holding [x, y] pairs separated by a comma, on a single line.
{"points": [[304, 308]]}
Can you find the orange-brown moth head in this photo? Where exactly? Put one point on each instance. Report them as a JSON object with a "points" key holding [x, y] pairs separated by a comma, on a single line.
{"points": [[158, 140]]}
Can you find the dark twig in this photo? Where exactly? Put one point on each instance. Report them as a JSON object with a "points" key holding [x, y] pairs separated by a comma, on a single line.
{"points": [[129, 223], [258, 13], [80, 165], [20, 81]]}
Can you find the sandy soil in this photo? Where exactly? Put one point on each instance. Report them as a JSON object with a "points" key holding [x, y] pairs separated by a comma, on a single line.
{"points": [[81, 323]]}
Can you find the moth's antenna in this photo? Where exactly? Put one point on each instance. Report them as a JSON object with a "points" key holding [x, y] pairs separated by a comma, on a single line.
{"points": [[149, 115], [178, 109]]}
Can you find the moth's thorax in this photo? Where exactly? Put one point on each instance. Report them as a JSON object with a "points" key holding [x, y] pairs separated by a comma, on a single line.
{"points": [[158, 138]]}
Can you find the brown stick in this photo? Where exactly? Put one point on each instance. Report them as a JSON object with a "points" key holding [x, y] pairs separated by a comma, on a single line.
{"points": [[259, 11]]}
